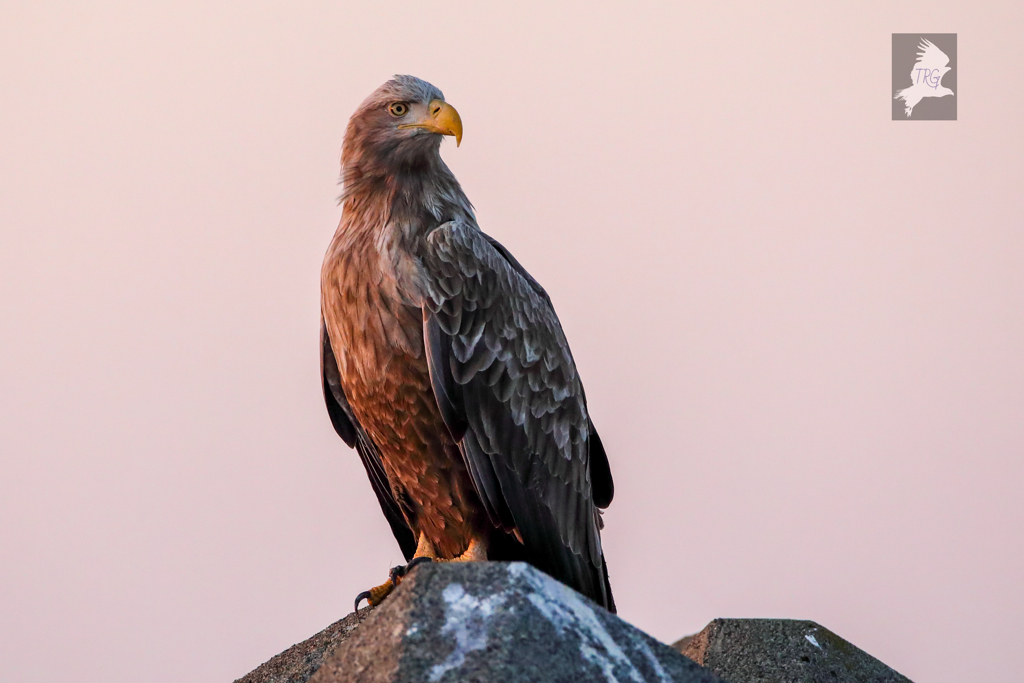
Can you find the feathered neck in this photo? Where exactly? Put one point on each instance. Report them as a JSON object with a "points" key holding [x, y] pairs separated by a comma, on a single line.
{"points": [[412, 197]]}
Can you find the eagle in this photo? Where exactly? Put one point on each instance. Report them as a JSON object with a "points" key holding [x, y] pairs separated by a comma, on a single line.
{"points": [[445, 366], [926, 76]]}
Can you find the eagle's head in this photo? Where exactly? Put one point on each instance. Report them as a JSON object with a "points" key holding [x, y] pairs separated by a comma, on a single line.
{"points": [[399, 127]]}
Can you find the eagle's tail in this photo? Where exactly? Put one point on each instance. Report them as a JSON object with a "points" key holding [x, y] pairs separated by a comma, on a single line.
{"points": [[902, 95]]}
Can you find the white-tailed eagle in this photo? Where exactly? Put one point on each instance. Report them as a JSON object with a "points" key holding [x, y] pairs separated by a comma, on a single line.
{"points": [[445, 365]]}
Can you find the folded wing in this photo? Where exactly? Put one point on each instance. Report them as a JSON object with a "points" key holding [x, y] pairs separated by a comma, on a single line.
{"points": [[508, 390]]}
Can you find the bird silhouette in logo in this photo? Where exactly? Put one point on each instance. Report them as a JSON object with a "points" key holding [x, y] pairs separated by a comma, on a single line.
{"points": [[926, 76]]}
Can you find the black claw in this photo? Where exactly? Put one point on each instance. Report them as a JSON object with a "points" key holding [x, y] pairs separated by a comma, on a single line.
{"points": [[417, 561], [398, 573], [359, 598]]}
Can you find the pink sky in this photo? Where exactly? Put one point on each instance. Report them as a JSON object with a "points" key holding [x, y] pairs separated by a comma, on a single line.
{"points": [[800, 324]]}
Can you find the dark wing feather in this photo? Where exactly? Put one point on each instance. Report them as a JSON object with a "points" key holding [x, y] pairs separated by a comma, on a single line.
{"points": [[508, 388], [352, 433], [600, 471]]}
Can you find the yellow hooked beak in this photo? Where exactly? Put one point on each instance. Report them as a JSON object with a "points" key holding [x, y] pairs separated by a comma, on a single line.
{"points": [[442, 118]]}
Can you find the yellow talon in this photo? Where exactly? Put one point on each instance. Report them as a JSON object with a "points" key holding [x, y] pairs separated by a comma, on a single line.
{"points": [[376, 595], [382, 591]]}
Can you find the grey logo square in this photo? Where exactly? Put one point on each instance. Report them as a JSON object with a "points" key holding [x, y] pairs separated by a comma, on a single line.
{"points": [[924, 76]]}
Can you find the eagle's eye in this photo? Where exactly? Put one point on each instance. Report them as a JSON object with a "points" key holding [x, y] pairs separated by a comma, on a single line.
{"points": [[398, 109]]}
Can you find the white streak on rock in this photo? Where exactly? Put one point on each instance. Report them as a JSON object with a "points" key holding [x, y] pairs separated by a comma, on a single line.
{"points": [[813, 641], [655, 664], [466, 616], [564, 608]]}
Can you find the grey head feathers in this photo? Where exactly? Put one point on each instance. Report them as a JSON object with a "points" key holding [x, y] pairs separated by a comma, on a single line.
{"points": [[374, 141]]}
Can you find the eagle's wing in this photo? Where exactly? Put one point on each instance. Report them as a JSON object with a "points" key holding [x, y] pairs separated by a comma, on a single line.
{"points": [[930, 56], [352, 433], [509, 393]]}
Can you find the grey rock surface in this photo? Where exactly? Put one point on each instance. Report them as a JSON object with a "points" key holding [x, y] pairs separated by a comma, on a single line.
{"points": [[488, 621], [299, 662], [782, 651]]}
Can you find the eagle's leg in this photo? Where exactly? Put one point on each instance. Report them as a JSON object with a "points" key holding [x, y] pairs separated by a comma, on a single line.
{"points": [[424, 553], [475, 552]]}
